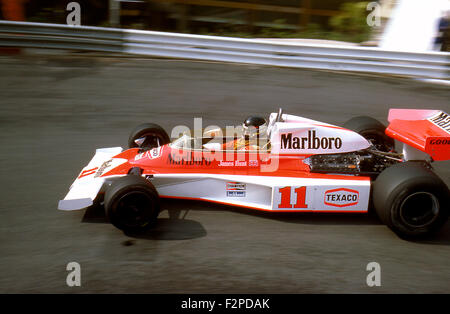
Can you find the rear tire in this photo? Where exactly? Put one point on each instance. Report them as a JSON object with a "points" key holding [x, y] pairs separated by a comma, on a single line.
{"points": [[373, 131], [411, 200], [132, 204], [152, 134]]}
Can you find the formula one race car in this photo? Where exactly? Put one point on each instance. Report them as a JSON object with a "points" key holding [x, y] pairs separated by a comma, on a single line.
{"points": [[291, 164]]}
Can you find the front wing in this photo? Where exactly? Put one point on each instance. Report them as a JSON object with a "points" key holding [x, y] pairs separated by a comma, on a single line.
{"points": [[86, 186]]}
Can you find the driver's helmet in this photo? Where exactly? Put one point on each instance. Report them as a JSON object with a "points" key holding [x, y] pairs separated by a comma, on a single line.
{"points": [[254, 126]]}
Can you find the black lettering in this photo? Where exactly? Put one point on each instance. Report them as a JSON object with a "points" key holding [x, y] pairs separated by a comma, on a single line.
{"points": [[171, 160], [325, 143], [304, 139], [316, 141], [286, 141], [296, 143], [439, 118], [331, 139], [440, 142], [443, 123], [311, 141]]}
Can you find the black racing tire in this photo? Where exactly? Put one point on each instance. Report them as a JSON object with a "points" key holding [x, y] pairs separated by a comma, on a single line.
{"points": [[411, 200], [373, 131], [132, 204], [154, 134]]}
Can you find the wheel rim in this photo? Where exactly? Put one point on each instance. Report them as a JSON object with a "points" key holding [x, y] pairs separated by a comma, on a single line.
{"points": [[419, 209], [134, 209]]}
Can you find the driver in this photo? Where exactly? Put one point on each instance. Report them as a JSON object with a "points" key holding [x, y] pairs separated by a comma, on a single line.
{"points": [[254, 128]]}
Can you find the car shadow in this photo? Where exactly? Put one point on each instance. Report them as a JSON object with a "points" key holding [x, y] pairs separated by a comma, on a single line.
{"points": [[172, 229], [95, 214], [176, 227], [294, 217], [440, 238]]}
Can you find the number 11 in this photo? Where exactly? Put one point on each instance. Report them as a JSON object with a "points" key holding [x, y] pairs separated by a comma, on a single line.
{"points": [[286, 197]]}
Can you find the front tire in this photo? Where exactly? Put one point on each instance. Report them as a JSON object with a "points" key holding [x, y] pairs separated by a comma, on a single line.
{"points": [[411, 200], [132, 204]]}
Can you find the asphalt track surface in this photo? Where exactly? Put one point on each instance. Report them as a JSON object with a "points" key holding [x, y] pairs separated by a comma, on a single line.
{"points": [[56, 110]]}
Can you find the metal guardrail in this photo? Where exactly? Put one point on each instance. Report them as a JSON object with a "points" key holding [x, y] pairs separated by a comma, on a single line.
{"points": [[173, 45]]}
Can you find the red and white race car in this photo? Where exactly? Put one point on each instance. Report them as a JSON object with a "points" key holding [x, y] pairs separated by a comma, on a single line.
{"points": [[295, 165]]}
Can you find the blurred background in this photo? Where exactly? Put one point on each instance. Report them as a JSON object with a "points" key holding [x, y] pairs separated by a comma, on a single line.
{"points": [[66, 91], [340, 20]]}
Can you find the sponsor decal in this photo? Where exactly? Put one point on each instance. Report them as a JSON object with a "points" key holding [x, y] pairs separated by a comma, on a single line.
{"points": [[440, 142], [287, 202], [342, 197], [87, 172], [150, 154], [253, 163], [226, 163], [155, 152], [189, 159], [441, 120], [102, 168], [237, 163], [236, 189], [288, 141], [140, 156]]}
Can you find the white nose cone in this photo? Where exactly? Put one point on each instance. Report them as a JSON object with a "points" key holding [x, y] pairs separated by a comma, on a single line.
{"points": [[74, 204]]}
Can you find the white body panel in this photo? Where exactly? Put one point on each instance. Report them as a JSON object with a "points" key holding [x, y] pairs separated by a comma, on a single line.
{"points": [[88, 183], [264, 192], [297, 135]]}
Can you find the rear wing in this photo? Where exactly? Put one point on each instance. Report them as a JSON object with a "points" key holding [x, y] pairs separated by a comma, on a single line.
{"points": [[425, 130]]}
